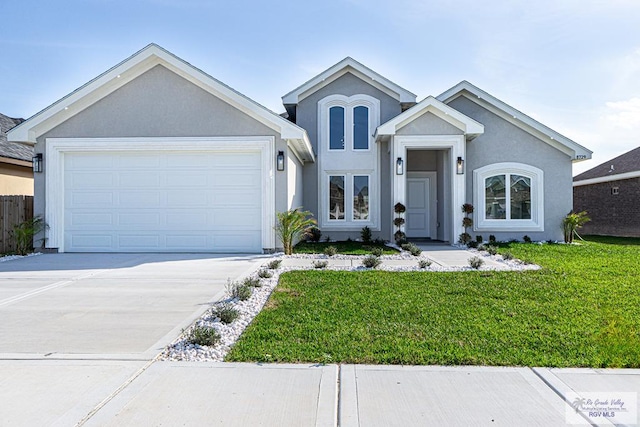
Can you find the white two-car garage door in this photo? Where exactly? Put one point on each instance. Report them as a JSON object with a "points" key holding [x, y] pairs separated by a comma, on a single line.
{"points": [[162, 201]]}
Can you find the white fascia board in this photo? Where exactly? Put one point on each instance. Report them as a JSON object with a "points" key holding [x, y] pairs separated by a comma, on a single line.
{"points": [[348, 65], [133, 67], [609, 178], [443, 111], [517, 118], [302, 149]]}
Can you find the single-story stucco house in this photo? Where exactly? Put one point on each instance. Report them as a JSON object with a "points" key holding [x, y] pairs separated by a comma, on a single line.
{"points": [[16, 174], [610, 194], [156, 155]]}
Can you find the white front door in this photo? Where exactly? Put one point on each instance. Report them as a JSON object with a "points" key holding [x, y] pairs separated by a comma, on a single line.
{"points": [[418, 221]]}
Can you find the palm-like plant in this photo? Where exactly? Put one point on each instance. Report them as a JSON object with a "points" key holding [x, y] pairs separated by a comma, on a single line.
{"points": [[571, 223], [293, 225], [24, 232]]}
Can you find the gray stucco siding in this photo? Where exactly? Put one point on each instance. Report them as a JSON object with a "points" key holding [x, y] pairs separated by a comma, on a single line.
{"points": [[429, 124], [505, 142], [159, 103]]}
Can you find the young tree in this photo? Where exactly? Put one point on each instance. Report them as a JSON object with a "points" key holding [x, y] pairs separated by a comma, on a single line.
{"points": [[293, 225]]}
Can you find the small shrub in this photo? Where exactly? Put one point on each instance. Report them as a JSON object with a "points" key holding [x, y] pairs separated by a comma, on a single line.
{"points": [[275, 264], [365, 235], [479, 238], [464, 238], [507, 256], [492, 249], [398, 221], [203, 335], [476, 262], [349, 239], [371, 261], [526, 239], [379, 242], [330, 250], [571, 223], [405, 246], [315, 234], [377, 251], [492, 238], [473, 244], [414, 250], [320, 264], [240, 291], [24, 232], [327, 239], [252, 282], [265, 274], [467, 222], [399, 208], [226, 313], [482, 247], [424, 263]]}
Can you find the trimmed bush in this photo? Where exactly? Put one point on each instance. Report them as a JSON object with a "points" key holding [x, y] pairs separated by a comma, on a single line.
{"points": [[371, 261], [377, 251], [240, 291], [424, 263], [365, 235], [320, 264], [507, 256], [526, 239], [265, 274], [492, 238], [275, 264], [314, 234], [203, 335], [226, 313], [253, 282], [492, 249], [330, 250], [479, 238], [476, 262], [464, 238], [473, 244]]}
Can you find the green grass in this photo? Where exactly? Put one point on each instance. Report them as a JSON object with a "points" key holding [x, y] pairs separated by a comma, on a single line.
{"points": [[581, 309], [344, 247]]}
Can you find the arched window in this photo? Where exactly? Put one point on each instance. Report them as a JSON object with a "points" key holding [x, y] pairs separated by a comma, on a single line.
{"points": [[361, 128], [509, 197], [336, 128]]}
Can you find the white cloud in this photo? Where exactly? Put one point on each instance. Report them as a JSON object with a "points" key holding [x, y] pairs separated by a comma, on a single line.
{"points": [[625, 114]]}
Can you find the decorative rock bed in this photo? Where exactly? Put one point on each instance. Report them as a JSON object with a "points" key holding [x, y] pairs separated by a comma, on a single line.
{"points": [[182, 350]]}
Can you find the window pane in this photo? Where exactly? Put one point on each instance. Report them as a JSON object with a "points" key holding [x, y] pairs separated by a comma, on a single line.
{"points": [[336, 128], [520, 197], [360, 197], [361, 128], [336, 197], [495, 201]]}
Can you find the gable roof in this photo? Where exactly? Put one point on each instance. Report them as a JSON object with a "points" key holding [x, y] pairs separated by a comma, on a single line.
{"points": [[349, 65], [517, 118], [13, 150], [134, 66], [625, 166], [470, 127]]}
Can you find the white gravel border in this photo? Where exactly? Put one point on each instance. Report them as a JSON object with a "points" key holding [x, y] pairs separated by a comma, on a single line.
{"points": [[12, 257], [182, 350]]}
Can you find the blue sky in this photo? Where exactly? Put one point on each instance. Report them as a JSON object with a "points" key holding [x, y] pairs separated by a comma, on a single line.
{"points": [[572, 64]]}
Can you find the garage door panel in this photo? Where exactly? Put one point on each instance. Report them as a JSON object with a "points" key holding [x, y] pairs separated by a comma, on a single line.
{"points": [[169, 201], [80, 199]]}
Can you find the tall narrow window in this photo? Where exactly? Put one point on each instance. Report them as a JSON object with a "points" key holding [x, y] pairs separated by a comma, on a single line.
{"points": [[520, 197], [336, 128], [336, 197], [360, 198], [495, 197], [360, 128]]}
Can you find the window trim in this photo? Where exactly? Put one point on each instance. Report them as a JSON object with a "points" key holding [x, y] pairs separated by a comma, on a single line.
{"points": [[349, 103], [536, 223], [348, 222]]}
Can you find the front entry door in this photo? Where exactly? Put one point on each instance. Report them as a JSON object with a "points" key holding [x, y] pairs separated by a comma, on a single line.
{"points": [[418, 207]]}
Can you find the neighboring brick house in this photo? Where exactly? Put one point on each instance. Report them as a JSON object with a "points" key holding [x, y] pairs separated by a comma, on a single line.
{"points": [[610, 193], [16, 174]]}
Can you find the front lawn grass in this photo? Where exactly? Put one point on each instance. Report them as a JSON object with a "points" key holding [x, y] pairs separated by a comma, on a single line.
{"points": [[581, 309], [344, 247]]}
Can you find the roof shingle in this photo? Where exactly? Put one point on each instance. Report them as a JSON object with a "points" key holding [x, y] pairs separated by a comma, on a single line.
{"points": [[12, 150], [624, 163]]}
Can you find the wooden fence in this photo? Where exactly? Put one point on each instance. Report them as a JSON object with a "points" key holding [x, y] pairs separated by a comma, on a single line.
{"points": [[13, 211]]}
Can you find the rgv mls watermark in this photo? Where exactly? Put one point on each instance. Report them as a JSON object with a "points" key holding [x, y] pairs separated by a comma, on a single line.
{"points": [[593, 407]]}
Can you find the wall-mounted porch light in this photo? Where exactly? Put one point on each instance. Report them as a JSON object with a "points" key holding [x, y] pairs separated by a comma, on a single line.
{"points": [[399, 166], [280, 161], [37, 163], [460, 166]]}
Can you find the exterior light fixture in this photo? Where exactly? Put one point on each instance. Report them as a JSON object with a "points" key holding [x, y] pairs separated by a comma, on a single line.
{"points": [[399, 166], [37, 163], [460, 166], [280, 161]]}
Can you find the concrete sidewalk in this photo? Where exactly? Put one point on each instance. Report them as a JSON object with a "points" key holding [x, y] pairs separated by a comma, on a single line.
{"points": [[237, 394]]}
